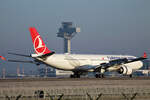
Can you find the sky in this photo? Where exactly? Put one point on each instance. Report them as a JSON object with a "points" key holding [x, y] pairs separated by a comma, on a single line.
{"points": [[107, 27]]}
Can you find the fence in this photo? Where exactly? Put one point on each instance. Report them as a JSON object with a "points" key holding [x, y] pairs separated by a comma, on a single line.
{"points": [[75, 94]]}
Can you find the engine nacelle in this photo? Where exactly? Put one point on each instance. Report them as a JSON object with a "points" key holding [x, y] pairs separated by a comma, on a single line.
{"points": [[125, 70]]}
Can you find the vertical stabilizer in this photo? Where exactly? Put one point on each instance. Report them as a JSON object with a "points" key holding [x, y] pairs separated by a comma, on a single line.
{"points": [[38, 43]]}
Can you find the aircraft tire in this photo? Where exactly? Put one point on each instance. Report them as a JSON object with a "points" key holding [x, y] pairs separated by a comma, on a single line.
{"points": [[99, 75], [131, 76], [75, 76]]}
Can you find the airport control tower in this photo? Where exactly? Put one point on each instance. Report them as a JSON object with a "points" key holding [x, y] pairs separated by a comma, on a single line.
{"points": [[67, 32]]}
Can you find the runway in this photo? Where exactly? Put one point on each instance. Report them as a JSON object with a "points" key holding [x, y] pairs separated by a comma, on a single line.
{"points": [[61, 83], [26, 79], [80, 82]]}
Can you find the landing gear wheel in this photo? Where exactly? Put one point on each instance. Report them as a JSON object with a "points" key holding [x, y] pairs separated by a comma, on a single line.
{"points": [[75, 76], [99, 75], [102, 75], [130, 76], [71, 76]]}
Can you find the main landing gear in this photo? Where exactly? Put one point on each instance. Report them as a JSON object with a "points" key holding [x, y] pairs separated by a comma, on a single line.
{"points": [[130, 75], [75, 75], [99, 75]]}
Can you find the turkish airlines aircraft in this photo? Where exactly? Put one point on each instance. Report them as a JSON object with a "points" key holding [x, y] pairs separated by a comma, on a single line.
{"points": [[80, 64]]}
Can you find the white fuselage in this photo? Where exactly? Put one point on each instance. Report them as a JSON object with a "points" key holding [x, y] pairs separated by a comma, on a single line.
{"points": [[71, 61]]}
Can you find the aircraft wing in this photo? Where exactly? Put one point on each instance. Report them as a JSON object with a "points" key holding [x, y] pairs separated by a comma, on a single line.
{"points": [[104, 66], [118, 62]]}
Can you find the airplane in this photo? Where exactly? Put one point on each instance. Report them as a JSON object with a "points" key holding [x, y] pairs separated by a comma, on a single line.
{"points": [[3, 58], [81, 64]]}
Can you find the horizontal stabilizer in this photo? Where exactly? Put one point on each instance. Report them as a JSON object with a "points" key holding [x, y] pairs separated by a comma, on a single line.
{"points": [[21, 61], [19, 54]]}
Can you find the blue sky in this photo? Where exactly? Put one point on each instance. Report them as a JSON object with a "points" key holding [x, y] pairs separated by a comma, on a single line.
{"points": [[107, 26]]}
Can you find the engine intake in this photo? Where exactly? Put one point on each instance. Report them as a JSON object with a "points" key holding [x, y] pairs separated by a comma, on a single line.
{"points": [[125, 70]]}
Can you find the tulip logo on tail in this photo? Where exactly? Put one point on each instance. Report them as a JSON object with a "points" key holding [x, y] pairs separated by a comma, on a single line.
{"points": [[39, 45]]}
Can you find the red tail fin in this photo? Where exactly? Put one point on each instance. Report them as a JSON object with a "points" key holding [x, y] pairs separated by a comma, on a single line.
{"points": [[2, 58], [38, 44], [145, 55]]}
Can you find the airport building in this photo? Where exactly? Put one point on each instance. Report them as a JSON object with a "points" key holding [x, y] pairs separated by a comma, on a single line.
{"points": [[47, 72]]}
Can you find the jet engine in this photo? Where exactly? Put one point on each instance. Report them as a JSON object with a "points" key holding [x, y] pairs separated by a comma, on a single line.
{"points": [[125, 70]]}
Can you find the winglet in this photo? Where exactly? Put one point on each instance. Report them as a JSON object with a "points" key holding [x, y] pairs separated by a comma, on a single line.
{"points": [[145, 55], [3, 58]]}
